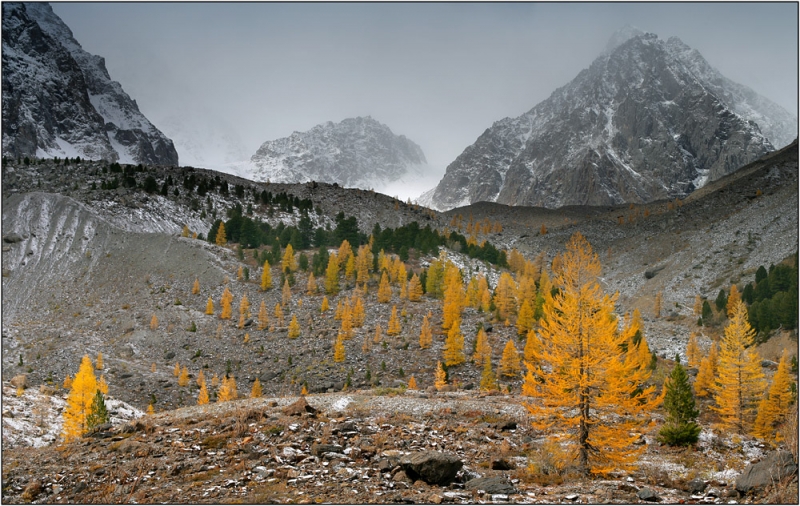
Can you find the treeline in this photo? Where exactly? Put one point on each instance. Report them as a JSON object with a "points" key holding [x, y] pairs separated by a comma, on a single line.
{"points": [[252, 233], [773, 297]]}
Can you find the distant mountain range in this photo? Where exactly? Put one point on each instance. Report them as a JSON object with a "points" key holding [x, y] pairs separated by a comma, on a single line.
{"points": [[58, 100], [356, 152], [649, 119]]}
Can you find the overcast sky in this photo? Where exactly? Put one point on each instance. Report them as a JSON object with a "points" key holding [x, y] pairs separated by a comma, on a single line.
{"points": [[440, 74]]}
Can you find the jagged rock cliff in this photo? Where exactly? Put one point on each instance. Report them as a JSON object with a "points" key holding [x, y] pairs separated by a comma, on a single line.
{"points": [[58, 100], [357, 152], [649, 119]]}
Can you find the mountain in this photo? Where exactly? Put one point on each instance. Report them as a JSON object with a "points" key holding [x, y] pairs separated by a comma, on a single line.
{"points": [[649, 119], [357, 152], [58, 100]]}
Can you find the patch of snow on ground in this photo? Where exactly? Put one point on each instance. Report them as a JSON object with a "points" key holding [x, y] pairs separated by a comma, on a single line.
{"points": [[342, 403]]}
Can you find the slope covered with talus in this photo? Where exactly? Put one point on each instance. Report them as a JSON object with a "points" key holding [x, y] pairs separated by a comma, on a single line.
{"points": [[649, 119]]}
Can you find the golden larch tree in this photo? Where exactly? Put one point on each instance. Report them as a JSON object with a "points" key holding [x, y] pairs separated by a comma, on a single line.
{"points": [[196, 286], [244, 307], [509, 363], [453, 352], [367, 345], [657, 305], [325, 305], [347, 320], [266, 277], [378, 334], [201, 378], [202, 397], [256, 392], [414, 288], [210, 306], [278, 313], [227, 391], [338, 348], [79, 401], [225, 302], [215, 381], [525, 318], [393, 328], [221, 239], [350, 268], [505, 296], [453, 303], [311, 285], [384, 289], [357, 312], [584, 392], [412, 383], [67, 382], [363, 263], [440, 378], [533, 346], [773, 410], [102, 385], [706, 372], [154, 323], [183, 379], [488, 379], [425, 334], [286, 293], [332, 275], [734, 297], [294, 328], [288, 262], [698, 306], [176, 371], [185, 231], [345, 252], [483, 351], [693, 351], [99, 362], [263, 316], [740, 381], [153, 367]]}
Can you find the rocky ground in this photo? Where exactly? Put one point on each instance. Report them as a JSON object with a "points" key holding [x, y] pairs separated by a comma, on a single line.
{"points": [[358, 447]]}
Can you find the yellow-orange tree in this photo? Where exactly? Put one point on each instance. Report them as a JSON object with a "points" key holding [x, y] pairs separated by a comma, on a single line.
{"points": [[740, 381], [585, 394], [773, 409], [79, 401]]}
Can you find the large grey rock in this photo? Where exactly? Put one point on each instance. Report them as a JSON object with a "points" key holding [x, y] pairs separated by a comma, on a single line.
{"points": [[491, 485], [776, 467], [435, 468], [648, 494], [648, 120], [696, 486]]}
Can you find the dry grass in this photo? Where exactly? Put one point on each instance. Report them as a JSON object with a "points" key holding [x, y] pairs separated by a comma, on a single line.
{"points": [[788, 432]]}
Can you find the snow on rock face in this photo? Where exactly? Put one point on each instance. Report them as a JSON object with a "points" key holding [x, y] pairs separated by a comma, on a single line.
{"points": [[58, 100], [357, 152], [648, 120]]}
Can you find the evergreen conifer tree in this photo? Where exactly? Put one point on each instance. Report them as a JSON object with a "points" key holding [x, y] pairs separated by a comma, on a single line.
{"points": [[98, 413], [680, 427]]}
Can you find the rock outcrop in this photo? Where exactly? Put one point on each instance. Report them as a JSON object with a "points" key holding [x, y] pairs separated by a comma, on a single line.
{"points": [[58, 100]]}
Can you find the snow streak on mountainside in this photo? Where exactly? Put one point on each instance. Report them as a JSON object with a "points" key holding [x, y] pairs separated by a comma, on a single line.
{"points": [[58, 100], [649, 119], [358, 152]]}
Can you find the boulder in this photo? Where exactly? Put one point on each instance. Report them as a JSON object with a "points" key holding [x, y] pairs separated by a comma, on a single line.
{"points": [[318, 449], [775, 467], [648, 494], [435, 468], [491, 485], [298, 408], [696, 486], [501, 464]]}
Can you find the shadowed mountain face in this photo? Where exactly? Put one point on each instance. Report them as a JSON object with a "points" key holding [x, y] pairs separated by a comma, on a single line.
{"points": [[649, 119], [58, 100]]}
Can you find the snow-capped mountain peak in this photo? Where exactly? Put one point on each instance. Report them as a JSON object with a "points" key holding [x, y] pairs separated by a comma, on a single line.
{"points": [[59, 100], [649, 119], [356, 152]]}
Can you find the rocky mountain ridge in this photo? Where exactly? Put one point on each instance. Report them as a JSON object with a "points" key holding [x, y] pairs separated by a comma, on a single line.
{"points": [[356, 152], [648, 120], [58, 100]]}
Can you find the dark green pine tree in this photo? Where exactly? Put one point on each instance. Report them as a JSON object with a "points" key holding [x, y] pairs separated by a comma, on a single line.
{"points": [[680, 427], [99, 413]]}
